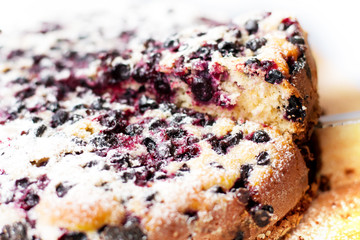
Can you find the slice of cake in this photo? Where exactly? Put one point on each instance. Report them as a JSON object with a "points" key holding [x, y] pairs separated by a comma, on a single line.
{"points": [[188, 138]]}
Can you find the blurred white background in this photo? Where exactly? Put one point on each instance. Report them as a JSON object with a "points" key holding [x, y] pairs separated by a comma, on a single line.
{"points": [[333, 26]]}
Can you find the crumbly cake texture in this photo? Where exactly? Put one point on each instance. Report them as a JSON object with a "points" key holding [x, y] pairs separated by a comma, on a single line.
{"points": [[187, 138]]}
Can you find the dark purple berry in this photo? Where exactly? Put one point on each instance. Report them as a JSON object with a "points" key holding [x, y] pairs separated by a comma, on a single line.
{"points": [[202, 89], [25, 93], [59, 118], [73, 236], [62, 189], [52, 106], [260, 136], [160, 123], [146, 103], [204, 53], [229, 141], [226, 48], [192, 215], [119, 73], [295, 111], [40, 130], [161, 84], [242, 194], [253, 62], [184, 168], [297, 40], [251, 26], [175, 132], [133, 129], [141, 73], [245, 171], [171, 43], [29, 201], [130, 231], [16, 231], [104, 140], [149, 144], [98, 104], [262, 216], [36, 119], [255, 44], [263, 158], [22, 183]]}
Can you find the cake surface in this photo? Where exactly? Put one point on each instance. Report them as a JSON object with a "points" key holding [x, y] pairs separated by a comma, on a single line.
{"points": [[188, 138]]}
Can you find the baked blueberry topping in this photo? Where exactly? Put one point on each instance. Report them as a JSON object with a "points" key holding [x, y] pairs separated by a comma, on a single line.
{"points": [[204, 53], [245, 171], [295, 111], [251, 26], [62, 189], [16, 231], [263, 158], [141, 73], [98, 104], [226, 48], [104, 140], [161, 84], [160, 123], [119, 73], [40, 130], [133, 129], [25, 93], [260, 136], [146, 103], [149, 144], [59, 118], [255, 44], [29, 200], [217, 189], [184, 168], [262, 215], [73, 236], [274, 76], [130, 231], [22, 183], [174, 132], [202, 89], [192, 215], [297, 40], [253, 62]]}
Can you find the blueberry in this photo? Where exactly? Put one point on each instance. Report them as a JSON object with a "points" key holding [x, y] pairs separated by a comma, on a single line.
{"points": [[204, 53], [253, 62], [226, 48], [146, 103], [141, 73], [52, 106], [251, 26], [242, 194], [29, 201], [230, 141], [202, 89], [59, 118], [171, 43], [160, 123], [62, 190], [263, 158], [184, 168], [262, 216], [149, 144], [119, 73], [239, 236], [104, 140], [297, 40], [245, 171], [175, 132], [274, 76], [133, 129], [130, 231], [16, 231], [36, 119], [161, 84], [22, 183], [294, 110], [192, 215], [255, 44], [25, 93], [260, 136], [40, 130], [98, 104], [73, 236]]}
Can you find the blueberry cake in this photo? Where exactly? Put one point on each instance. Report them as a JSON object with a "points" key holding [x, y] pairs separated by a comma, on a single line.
{"points": [[193, 137]]}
